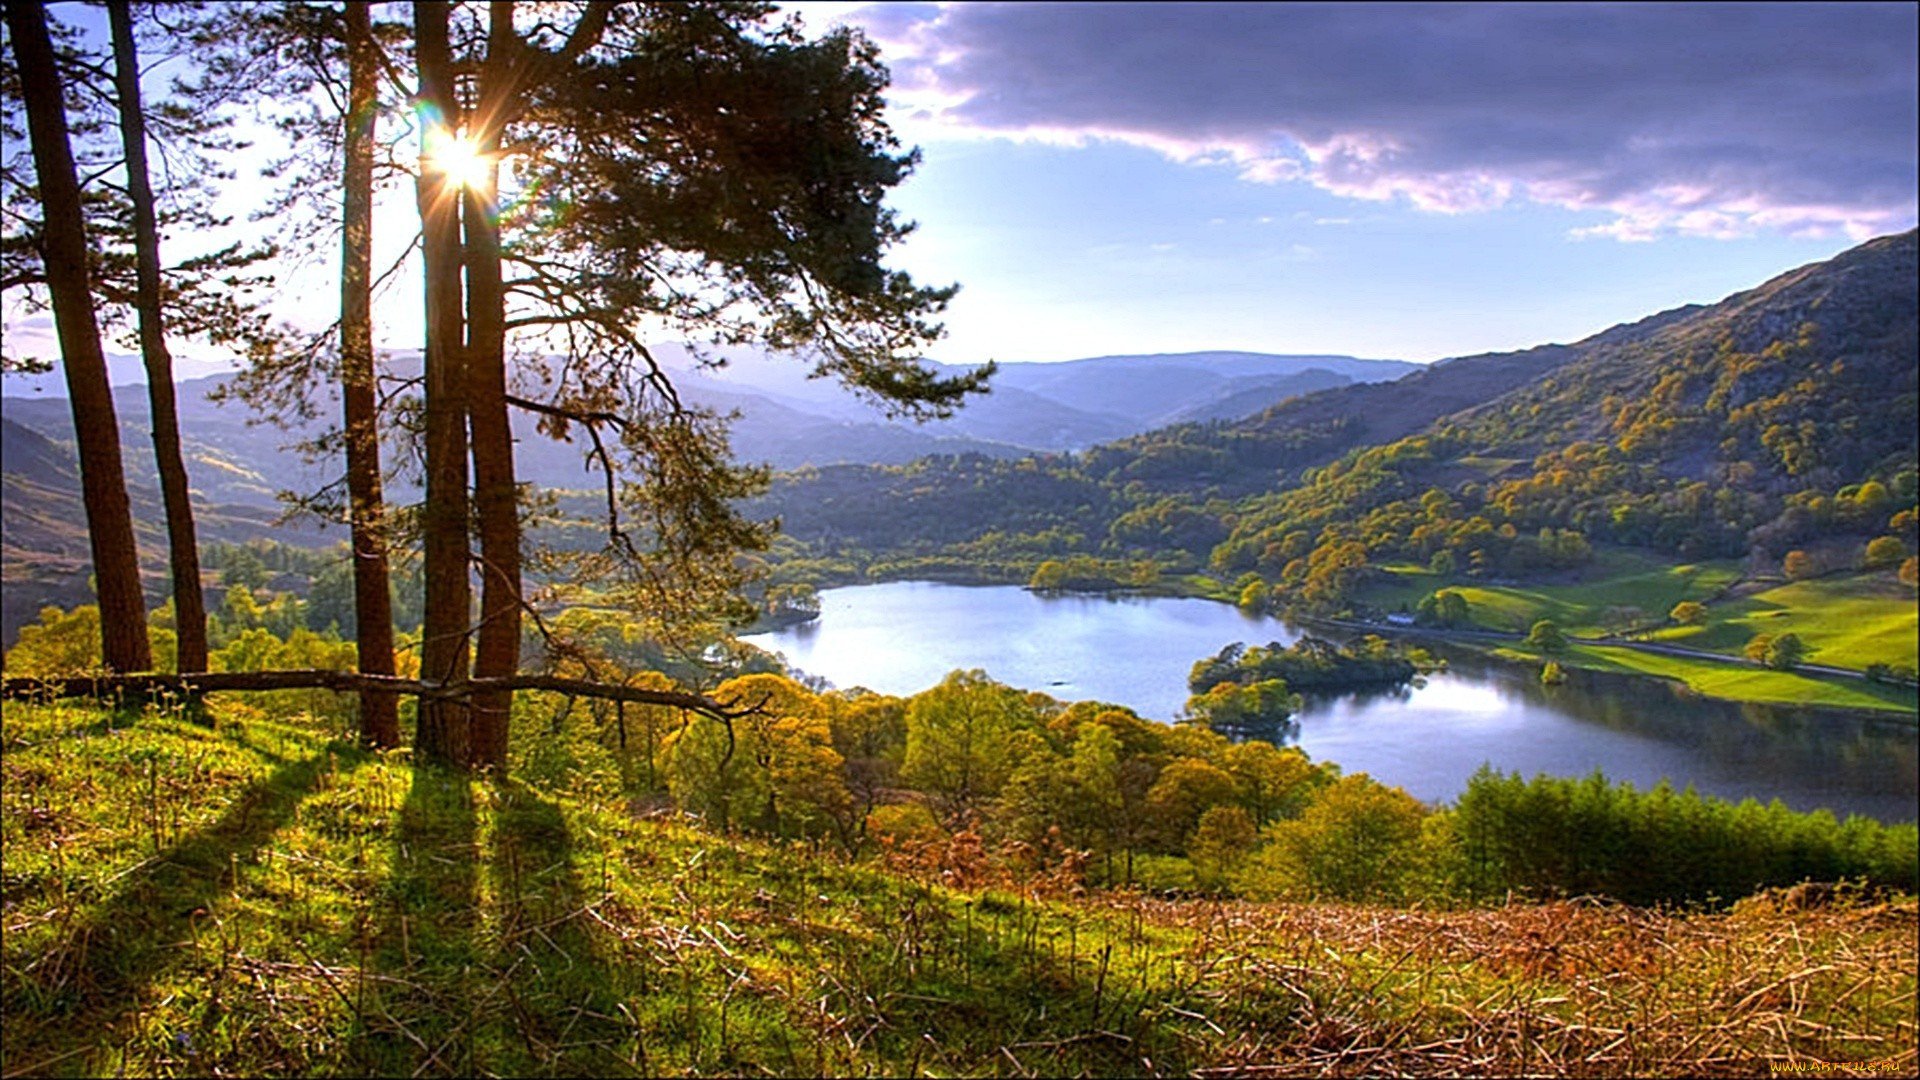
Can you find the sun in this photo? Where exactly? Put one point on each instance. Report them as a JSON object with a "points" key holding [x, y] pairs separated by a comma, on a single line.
{"points": [[458, 158]]}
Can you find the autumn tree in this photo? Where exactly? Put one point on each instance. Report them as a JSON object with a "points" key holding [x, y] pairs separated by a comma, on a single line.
{"points": [[1688, 613], [1798, 565]]}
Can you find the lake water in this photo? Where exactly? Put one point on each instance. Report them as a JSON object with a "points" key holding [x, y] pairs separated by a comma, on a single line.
{"points": [[902, 637]]}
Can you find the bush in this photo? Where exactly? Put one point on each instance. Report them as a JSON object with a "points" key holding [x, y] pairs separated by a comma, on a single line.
{"points": [[1883, 552]]}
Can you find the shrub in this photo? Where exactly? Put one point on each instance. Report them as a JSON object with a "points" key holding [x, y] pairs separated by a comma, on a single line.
{"points": [[1883, 552]]}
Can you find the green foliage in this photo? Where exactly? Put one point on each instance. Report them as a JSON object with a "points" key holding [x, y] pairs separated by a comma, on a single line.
{"points": [[62, 643], [1221, 843], [1232, 706], [957, 733], [1883, 552], [1546, 636], [1561, 837], [1443, 607], [1308, 665], [1359, 840]]}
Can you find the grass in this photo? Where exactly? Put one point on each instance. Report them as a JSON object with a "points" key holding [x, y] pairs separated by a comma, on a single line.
{"points": [[260, 898], [1617, 578], [1849, 620], [1733, 682]]}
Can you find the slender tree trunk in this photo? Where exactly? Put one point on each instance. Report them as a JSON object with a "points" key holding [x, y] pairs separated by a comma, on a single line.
{"points": [[116, 565], [443, 732], [183, 548], [372, 597], [497, 654]]}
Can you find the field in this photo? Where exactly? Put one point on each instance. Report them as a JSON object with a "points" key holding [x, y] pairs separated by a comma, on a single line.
{"points": [[1848, 620], [1734, 682], [261, 898], [1600, 599]]}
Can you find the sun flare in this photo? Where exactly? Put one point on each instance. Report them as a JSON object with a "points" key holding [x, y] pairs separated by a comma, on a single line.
{"points": [[458, 158]]}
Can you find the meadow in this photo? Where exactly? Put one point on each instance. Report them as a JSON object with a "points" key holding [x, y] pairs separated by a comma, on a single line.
{"points": [[261, 897]]}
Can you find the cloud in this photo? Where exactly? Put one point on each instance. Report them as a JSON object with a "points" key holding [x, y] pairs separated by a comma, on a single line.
{"points": [[1707, 119]]}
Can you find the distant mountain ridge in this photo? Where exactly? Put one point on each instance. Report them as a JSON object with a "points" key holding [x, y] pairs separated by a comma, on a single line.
{"points": [[239, 466], [1705, 430]]}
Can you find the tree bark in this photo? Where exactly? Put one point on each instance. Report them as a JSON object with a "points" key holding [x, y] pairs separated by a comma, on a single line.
{"points": [[183, 547], [443, 731], [497, 653], [116, 565], [372, 596]]}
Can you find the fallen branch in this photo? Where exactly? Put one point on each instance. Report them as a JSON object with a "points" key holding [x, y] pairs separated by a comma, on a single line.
{"points": [[348, 682]]}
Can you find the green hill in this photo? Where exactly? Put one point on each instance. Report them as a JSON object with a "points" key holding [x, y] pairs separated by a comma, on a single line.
{"points": [[261, 899]]}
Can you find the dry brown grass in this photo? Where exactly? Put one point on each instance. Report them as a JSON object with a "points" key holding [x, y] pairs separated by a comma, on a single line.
{"points": [[1574, 988]]}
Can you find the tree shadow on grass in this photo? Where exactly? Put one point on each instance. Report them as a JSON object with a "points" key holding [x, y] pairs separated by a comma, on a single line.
{"points": [[555, 1005], [511, 983], [93, 976], [424, 949]]}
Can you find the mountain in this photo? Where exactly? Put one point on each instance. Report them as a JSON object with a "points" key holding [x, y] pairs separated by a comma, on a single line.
{"points": [[239, 466], [1780, 415], [1068, 405], [44, 553]]}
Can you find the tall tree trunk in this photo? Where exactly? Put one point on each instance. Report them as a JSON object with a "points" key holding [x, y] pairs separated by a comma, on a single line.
{"points": [[116, 564], [497, 653], [183, 548], [372, 598], [443, 732]]}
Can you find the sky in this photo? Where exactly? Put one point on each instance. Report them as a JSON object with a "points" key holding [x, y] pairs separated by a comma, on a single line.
{"points": [[1401, 181], [1408, 182]]}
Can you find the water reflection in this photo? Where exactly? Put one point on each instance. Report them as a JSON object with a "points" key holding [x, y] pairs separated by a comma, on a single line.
{"points": [[902, 637]]}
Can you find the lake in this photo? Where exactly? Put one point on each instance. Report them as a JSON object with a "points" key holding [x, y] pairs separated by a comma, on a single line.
{"points": [[902, 637]]}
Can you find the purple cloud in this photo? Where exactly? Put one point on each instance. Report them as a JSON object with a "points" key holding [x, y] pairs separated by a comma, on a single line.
{"points": [[1711, 119]]}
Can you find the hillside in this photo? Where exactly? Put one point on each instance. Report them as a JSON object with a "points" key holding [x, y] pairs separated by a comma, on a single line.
{"points": [[239, 467], [1749, 426], [1768, 421], [44, 552], [260, 898]]}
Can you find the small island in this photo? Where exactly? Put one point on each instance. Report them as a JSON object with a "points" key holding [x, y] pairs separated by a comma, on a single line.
{"points": [[1242, 687]]}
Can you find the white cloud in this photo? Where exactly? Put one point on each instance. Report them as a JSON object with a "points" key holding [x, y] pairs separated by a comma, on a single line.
{"points": [[1711, 120]]}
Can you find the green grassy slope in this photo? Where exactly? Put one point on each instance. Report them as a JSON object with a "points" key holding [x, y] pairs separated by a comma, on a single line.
{"points": [[1848, 620], [1579, 604], [259, 899]]}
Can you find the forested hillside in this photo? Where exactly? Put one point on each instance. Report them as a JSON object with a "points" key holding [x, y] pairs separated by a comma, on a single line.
{"points": [[1779, 418]]}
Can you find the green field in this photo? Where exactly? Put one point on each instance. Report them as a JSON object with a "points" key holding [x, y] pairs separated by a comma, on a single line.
{"points": [[1849, 620], [1736, 682], [1587, 605]]}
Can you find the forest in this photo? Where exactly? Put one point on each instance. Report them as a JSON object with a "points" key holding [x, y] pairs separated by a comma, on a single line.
{"points": [[493, 786]]}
